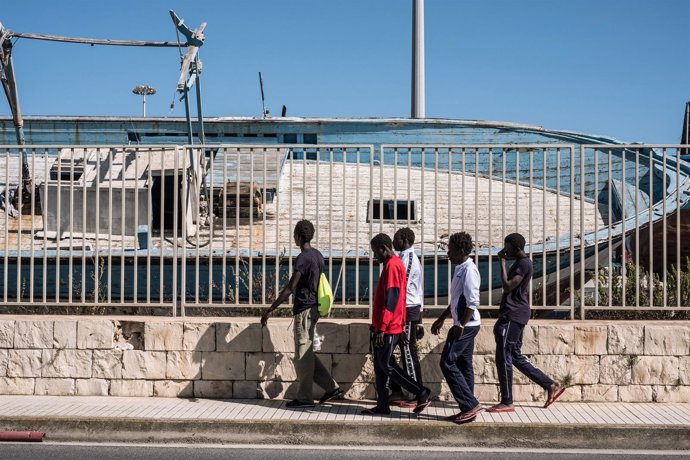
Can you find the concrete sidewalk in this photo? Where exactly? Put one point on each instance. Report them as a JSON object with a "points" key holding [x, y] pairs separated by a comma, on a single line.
{"points": [[565, 425]]}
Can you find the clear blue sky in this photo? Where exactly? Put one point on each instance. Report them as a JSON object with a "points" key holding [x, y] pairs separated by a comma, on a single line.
{"points": [[615, 67]]}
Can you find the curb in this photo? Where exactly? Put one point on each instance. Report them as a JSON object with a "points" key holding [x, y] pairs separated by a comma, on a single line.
{"points": [[537, 436]]}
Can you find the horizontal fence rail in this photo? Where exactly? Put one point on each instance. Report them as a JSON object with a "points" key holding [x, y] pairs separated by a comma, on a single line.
{"points": [[181, 230]]}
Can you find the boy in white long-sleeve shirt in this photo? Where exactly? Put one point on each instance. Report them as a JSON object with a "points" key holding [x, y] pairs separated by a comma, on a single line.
{"points": [[403, 242], [456, 359]]}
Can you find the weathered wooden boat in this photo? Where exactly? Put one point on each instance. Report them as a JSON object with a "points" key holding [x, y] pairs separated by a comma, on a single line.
{"points": [[485, 178]]}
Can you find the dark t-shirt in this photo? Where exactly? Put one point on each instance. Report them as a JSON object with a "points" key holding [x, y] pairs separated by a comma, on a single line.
{"points": [[515, 304], [310, 264]]}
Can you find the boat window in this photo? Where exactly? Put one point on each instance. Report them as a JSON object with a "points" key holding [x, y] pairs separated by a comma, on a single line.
{"points": [[309, 138], [290, 138], [391, 210]]}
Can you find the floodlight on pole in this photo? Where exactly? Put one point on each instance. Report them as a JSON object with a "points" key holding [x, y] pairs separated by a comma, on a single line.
{"points": [[143, 91]]}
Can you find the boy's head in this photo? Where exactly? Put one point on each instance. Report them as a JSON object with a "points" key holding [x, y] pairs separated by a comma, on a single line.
{"points": [[382, 247], [514, 245], [459, 246], [303, 233], [403, 239]]}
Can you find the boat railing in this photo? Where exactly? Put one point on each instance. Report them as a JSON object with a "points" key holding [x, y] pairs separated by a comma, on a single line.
{"points": [[191, 229]]}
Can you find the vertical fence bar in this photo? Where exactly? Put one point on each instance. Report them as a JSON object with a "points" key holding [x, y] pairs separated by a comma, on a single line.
{"points": [[490, 225], [238, 237], [149, 222], [343, 266], [357, 160], [637, 228], [610, 219], [665, 229], [97, 254], [280, 165], [571, 293], [558, 232], [624, 249], [543, 230], [436, 219], [583, 200], [679, 271], [250, 255], [264, 275], [136, 225], [651, 227], [32, 228], [530, 154], [175, 224]]}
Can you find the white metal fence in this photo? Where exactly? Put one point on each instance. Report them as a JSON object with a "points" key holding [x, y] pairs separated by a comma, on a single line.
{"points": [[167, 228]]}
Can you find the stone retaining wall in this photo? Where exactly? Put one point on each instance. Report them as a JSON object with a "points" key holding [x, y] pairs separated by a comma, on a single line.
{"points": [[236, 358]]}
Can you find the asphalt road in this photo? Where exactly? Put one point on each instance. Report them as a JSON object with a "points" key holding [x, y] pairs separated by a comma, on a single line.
{"points": [[79, 451]]}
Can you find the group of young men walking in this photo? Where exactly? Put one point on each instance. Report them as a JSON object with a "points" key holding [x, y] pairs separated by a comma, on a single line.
{"points": [[397, 323]]}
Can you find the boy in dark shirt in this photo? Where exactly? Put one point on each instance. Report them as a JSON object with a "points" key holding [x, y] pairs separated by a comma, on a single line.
{"points": [[304, 283], [387, 323], [513, 315]]}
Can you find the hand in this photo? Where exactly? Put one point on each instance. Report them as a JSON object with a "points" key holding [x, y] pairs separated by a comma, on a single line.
{"points": [[455, 332], [436, 327], [419, 331], [404, 341], [264, 317], [502, 254], [378, 339]]}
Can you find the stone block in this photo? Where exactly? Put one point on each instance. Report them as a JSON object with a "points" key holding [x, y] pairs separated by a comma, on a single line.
{"points": [[163, 336], [626, 339], [555, 366], [65, 334], [359, 390], [336, 337], [616, 369], [671, 393], [139, 364], [353, 368], [278, 337], [173, 388], [55, 387], [635, 393], [276, 390], [245, 389], [431, 343], [667, 340], [359, 339], [107, 364], [6, 333], [222, 365], [24, 363], [213, 389], [683, 373], [92, 387], [528, 393], [600, 393], [199, 337], [572, 394], [4, 359], [33, 334], [431, 368], [183, 365], [67, 363], [591, 340], [484, 342], [485, 369], [584, 369], [247, 336], [16, 386], [486, 393], [95, 334], [131, 388], [655, 370], [557, 339]]}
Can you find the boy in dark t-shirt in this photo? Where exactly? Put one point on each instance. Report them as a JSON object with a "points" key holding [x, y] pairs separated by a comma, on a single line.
{"points": [[304, 284], [513, 315]]}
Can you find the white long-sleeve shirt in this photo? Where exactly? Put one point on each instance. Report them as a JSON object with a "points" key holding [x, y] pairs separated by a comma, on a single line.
{"points": [[415, 294], [465, 282]]}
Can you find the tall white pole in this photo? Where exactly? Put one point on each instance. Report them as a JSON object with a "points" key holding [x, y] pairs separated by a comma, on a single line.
{"points": [[143, 109], [418, 102]]}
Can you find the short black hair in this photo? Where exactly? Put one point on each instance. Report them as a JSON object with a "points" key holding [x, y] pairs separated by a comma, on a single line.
{"points": [[381, 240], [516, 240], [461, 241], [304, 230], [405, 233]]}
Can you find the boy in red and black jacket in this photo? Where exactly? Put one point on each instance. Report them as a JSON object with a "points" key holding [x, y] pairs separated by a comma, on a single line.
{"points": [[387, 324]]}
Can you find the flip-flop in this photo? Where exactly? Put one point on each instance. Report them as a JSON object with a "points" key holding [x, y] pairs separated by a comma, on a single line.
{"points": [[554, 397], [498, 411], [421, 406], [374, 411], [406, 404], [458, 421]]}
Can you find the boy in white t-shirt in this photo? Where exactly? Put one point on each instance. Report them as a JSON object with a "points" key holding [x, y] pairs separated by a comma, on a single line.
{"points": [[456, 358]]}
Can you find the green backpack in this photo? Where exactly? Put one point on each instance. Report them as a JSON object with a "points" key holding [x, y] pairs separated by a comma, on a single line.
{"points": [[324, 295]]}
